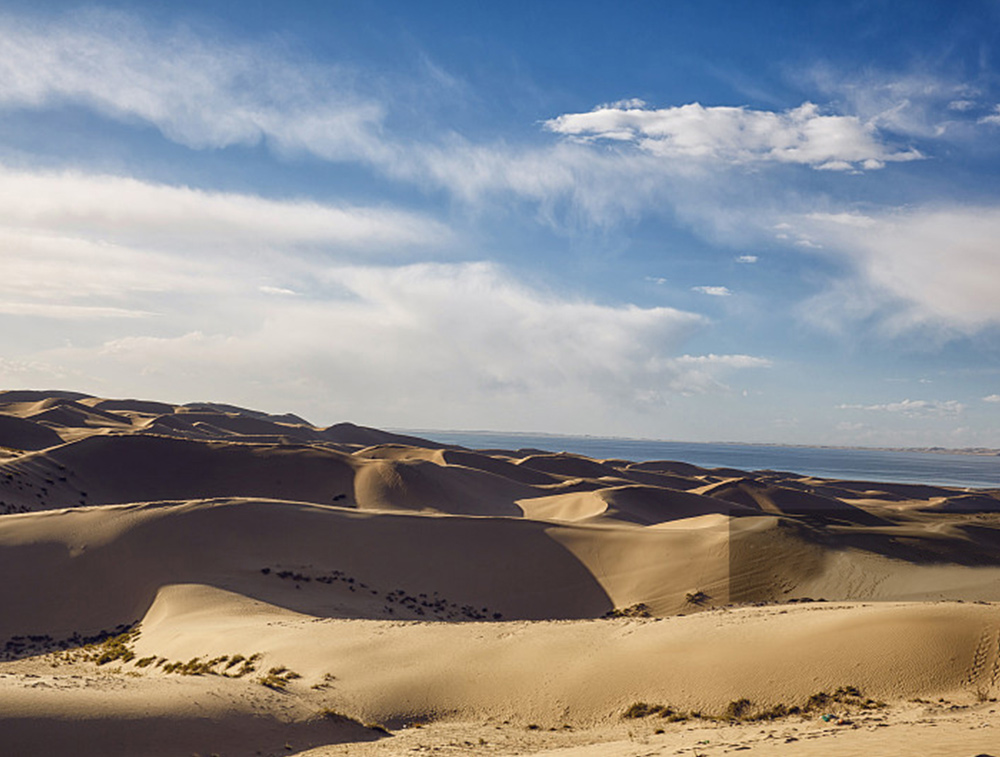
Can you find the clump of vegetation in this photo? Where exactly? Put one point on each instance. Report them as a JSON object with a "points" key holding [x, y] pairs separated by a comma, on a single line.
{"points": [[696, 597], [850, 696], [277, 678], [195, 666], [213, 666], [639, 610], [109, 649], [738, 709], [641, 710], [776, 712], [246, 665], [743, 709]]}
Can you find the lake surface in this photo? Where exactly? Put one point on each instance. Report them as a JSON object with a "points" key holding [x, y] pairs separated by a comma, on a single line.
{"points": [[981, 471]]}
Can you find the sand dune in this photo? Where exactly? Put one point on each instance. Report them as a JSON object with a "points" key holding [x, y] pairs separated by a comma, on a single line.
{"points": [[370, 576], [21, 433]]}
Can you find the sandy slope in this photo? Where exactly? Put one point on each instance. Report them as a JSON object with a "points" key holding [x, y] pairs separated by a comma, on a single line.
{"points": [[403, 581]]}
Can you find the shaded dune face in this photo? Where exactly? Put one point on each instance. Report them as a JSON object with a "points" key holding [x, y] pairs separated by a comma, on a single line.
{"points": [[23, 433], [142, 467], [346, 563]]}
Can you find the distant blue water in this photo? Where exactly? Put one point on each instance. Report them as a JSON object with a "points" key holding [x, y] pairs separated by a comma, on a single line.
{"points": [[979, 471]]}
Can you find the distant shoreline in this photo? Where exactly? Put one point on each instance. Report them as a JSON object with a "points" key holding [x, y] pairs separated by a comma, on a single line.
{"points": [[973, 451]]}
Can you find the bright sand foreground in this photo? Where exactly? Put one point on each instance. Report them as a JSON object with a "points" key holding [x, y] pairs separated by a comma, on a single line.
{"points": [[250, 584]]}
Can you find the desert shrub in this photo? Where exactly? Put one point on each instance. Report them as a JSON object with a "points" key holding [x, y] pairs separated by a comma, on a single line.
{"points": [[738, 709], [637, 710], [776, 712], [639, 610], [111, 649], [818, 701], [277, 678], [642, 710]]}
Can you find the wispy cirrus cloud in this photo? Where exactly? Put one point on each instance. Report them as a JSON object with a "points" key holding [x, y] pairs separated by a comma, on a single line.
{"points": [[198, 92], [84, 246], [919, 266], [913, 408], [70, 312], [124, 209], [920, 103], [75, 245]]}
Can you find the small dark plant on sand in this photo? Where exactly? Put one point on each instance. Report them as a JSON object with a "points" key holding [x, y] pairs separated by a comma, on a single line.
{"points": [[277, 678]]}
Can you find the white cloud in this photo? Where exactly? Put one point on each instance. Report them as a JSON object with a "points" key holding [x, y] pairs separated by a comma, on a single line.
{"points": [[914, 408], [626, 104], [747, 259], [399, 344], [845, 165], [714, 291], [935, 266], [992, 398], [281, 291], [730, 361], [992, 119], [801, 135]]}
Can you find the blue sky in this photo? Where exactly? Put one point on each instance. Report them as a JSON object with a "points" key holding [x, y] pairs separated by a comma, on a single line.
{"points": [[769, 221]]}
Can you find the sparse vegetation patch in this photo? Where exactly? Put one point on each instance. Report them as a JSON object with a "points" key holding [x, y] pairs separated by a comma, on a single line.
{"points": [[398, 603], [743, 710], [277, 678], [639, 610]]}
